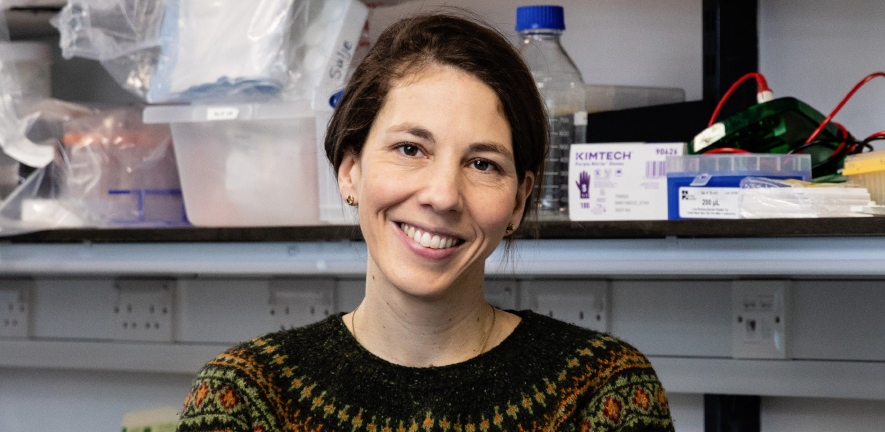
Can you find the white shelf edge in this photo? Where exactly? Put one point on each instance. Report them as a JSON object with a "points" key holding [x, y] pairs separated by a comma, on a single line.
{"points": [[793, 378], [789, 257], [107, 356], [788, 378]]}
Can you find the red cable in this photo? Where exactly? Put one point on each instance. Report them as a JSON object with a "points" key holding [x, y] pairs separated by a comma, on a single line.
{"points": [[841, 104], [761, 86], [726, 150]]}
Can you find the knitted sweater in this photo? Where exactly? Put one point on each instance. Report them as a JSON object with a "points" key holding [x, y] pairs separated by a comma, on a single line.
{"points": [[546, 376]]}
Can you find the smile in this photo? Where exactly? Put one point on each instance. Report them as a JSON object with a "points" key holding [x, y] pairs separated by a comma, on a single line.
{"points": [[428, 239]]}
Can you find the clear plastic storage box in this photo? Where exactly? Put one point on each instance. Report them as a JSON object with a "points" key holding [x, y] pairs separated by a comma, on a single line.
{"points": [[708, 186], [247, 164], [868, 170]]}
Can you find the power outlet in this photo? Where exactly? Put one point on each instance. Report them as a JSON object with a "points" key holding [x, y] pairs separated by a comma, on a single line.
{"points": [[143, 311], [501, 294], [760, 312], [582, 303], [14, 309], [298, 302]]}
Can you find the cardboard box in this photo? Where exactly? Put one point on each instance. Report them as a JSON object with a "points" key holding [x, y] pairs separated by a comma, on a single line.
{"points": [[619, 181]]}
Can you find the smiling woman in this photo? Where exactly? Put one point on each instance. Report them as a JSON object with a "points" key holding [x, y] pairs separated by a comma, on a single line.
{"points": [[438, 140]]}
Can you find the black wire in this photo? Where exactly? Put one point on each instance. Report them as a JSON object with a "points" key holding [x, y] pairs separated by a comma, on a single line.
{"points": [[833, 144]]}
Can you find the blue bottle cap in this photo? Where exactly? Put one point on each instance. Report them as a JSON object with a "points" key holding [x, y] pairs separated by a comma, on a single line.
{"points": [[540, 17]]}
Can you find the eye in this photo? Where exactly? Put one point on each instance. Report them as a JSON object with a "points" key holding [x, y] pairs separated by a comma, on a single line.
{"points": [[409, 150], [483, 165]]}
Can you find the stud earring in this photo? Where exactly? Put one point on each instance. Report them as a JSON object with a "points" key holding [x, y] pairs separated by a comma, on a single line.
{"points": [[510, 229], [351, 201]]}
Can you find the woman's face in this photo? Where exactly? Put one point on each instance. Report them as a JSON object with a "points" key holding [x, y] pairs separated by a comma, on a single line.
{"points": [[436, 182]]}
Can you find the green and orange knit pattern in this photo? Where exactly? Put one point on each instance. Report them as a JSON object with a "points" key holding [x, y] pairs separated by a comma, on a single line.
{"points": [[546, 376]]}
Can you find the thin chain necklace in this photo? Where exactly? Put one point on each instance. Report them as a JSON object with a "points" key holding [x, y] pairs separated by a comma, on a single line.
{"points": [[482, 348]]}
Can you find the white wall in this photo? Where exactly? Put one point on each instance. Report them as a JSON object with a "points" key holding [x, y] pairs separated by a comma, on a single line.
{"points": [[822, 415], [633, 42], [47, 400]]}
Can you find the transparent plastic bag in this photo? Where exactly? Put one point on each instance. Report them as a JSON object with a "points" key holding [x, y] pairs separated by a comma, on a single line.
{"points": [[204, 50], [109, 170], [120, 171], [124, 35], [771, 198]]}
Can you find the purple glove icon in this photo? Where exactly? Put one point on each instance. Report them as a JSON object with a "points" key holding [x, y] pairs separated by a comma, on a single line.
{"points": [[584, 184]]}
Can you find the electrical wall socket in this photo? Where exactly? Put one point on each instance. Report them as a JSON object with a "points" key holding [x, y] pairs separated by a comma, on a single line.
{"points": [[501, 294], [14, 308], [760, 313], [583, 303], [143, 311], [298, 302]]}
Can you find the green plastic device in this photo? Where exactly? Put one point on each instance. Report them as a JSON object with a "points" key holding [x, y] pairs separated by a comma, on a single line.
{"points": [[771, 127]]}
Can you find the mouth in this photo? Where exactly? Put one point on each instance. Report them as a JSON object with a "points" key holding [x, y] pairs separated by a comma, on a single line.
{"points": [[429, 239]]}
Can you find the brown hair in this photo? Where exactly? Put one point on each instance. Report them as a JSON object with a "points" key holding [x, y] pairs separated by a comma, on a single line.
{"points": [[444, 39]]}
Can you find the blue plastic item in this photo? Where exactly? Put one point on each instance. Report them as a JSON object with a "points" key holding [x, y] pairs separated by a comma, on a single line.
{"points": [[727, 171], [540, 17]]}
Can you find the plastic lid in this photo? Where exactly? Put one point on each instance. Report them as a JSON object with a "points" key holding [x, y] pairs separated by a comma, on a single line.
{"points": [[24, 51], [757, 164], [206, 113], [540, 17]]}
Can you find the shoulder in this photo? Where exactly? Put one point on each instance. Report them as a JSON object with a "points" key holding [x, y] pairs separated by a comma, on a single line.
{"points": [[275, 352], [572, 339], [612, 382], [242, 388]]}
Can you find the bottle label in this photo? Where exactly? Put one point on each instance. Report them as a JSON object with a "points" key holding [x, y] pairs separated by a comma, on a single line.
{"points": [[581, 118]]}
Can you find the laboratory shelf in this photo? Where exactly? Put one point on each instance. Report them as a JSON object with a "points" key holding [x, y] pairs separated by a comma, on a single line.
{"points": [[824, 227], [799, 257], [799, 378]]}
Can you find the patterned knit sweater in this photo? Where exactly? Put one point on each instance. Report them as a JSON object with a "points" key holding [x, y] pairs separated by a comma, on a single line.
{"points": [[545, 376]]}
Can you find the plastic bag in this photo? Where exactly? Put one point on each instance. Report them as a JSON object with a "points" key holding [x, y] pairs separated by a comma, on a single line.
{"points": [[199, 50], [123, 35], [770, 198], [121, 170], [109, 169]]}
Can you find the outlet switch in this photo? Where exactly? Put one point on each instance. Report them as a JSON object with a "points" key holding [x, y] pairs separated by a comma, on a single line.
{"points": [[143, 310], [298, 302], [760, 313], [582, 303], [14, 308]]}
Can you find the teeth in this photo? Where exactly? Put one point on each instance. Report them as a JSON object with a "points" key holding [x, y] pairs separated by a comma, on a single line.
{"points": [[426, 239]]}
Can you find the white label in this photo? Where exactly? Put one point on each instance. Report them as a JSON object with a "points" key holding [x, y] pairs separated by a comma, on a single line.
{"points": [[222, 113], [709, 136], [619, 181], [581, 118], [709, 203]]}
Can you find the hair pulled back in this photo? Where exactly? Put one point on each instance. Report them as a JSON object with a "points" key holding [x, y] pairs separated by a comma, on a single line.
{"points": [[412, 44]]}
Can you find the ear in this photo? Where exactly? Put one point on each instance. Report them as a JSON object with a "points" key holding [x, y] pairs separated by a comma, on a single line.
{"points": [[349, 175], [522, 192]]}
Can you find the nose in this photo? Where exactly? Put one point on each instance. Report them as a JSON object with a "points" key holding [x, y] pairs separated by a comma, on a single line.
{"points": [[441, 187]]}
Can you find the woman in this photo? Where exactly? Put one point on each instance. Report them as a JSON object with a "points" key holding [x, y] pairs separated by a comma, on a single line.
{"points": [[438, 140]]}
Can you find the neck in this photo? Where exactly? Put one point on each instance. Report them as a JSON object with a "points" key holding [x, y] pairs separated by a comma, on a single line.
{"points": [[415, 331]]}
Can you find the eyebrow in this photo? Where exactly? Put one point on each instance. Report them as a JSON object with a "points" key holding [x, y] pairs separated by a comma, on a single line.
{"points": [[424, 133], [415, 130], [491, 147]]}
